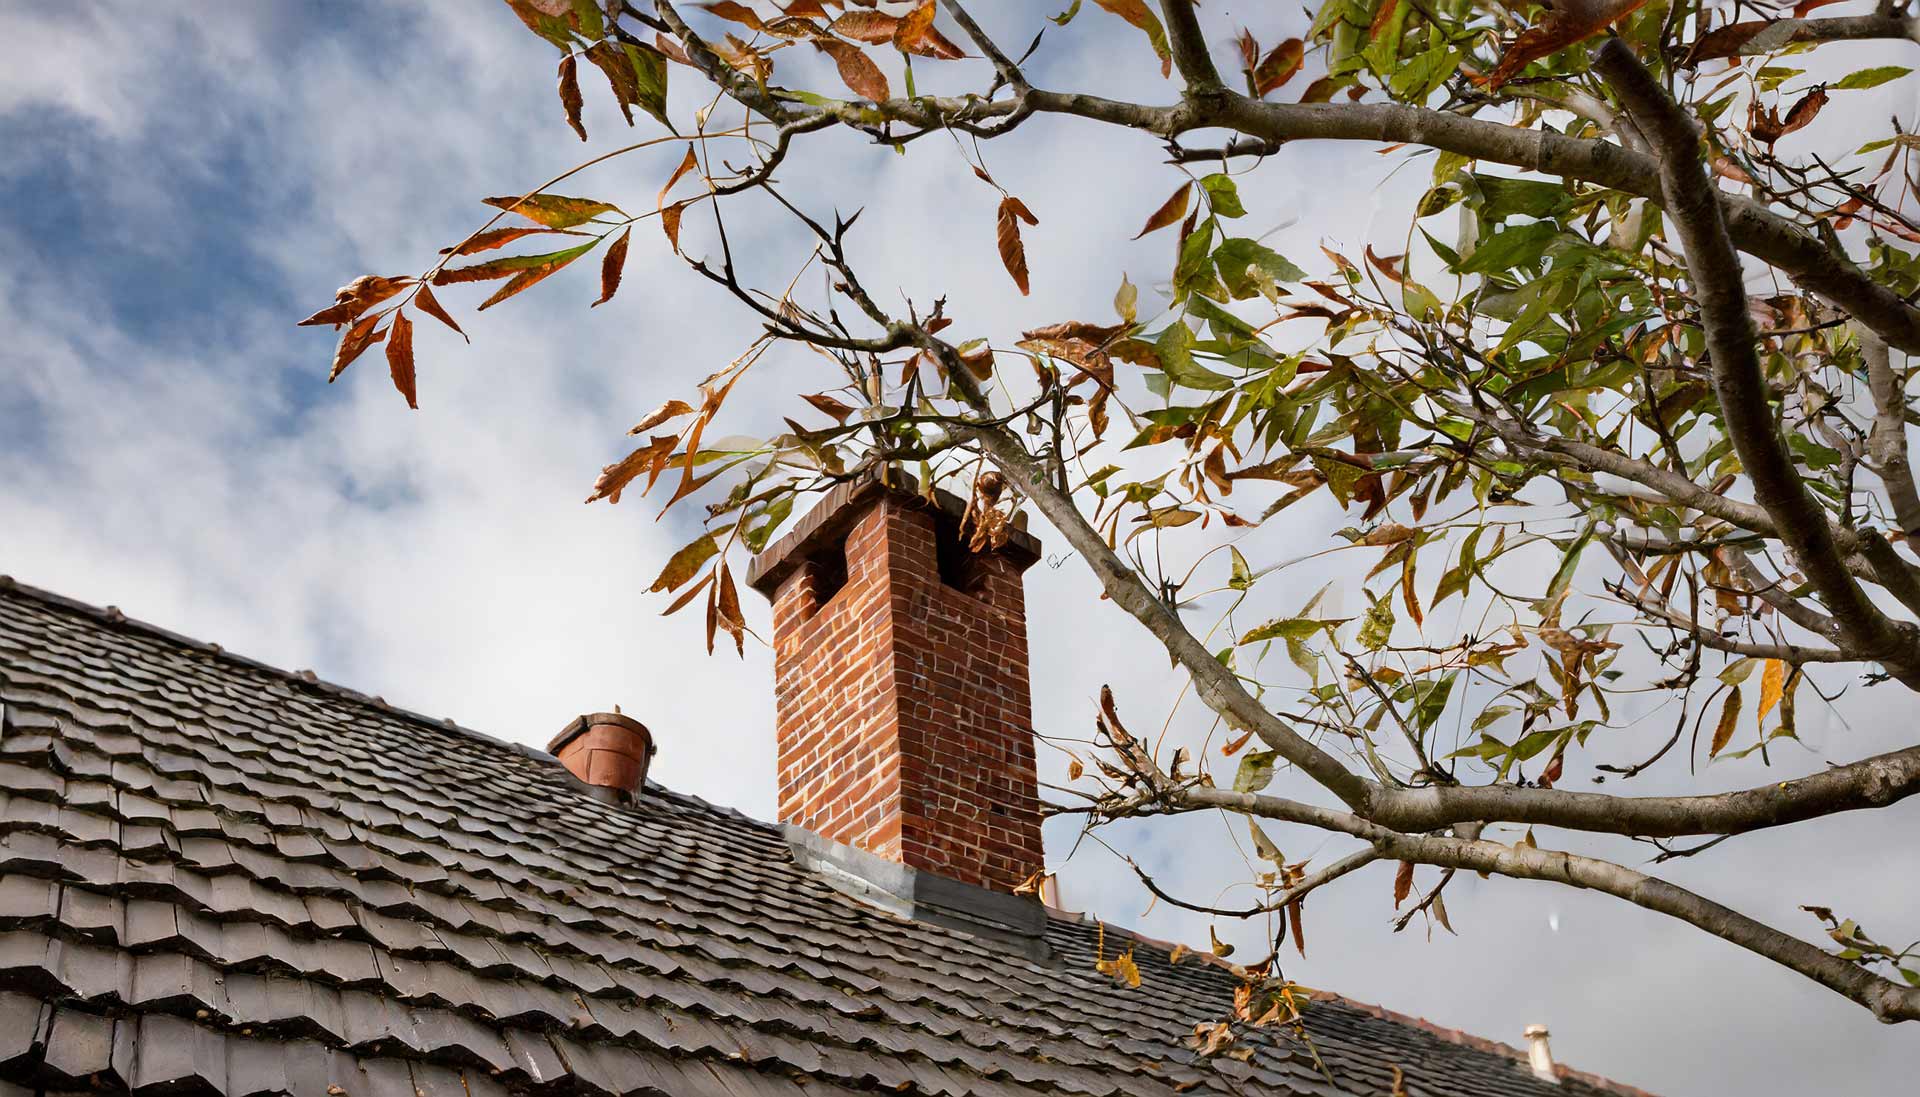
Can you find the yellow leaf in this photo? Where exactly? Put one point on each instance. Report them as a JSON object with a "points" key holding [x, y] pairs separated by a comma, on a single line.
{"points": [[1723, 732], [1773, 683], [555, 211]]}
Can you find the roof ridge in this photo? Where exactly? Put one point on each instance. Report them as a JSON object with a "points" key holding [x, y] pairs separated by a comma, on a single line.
{"points": [[1444, 1032], [114, 617]]}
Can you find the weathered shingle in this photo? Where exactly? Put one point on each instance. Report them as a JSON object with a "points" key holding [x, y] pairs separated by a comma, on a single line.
{"points": [[220, 878]]}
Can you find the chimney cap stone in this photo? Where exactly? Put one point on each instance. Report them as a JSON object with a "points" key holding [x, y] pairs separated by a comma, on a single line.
{"points": [[831, 517]]}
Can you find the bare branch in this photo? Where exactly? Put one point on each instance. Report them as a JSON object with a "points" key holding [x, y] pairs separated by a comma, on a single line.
{"points": [[1887, 443]]}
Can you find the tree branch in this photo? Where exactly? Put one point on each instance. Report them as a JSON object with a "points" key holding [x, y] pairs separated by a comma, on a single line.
{"points": [[1738, 380], [1889, 1001], [1887, 442]]}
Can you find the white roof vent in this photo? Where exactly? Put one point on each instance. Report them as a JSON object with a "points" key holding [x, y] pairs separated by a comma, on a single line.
{"points": [[1538, 1055]]}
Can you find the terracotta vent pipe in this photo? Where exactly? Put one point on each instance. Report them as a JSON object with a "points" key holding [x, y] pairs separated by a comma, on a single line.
{"points": [[1538, 1055], [607, 750]]}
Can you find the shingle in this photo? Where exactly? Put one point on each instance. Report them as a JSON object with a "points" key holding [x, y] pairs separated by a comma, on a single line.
{"points": [[344, 896]]}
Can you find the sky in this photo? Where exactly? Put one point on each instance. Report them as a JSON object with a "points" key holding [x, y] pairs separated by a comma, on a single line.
{"points": [[183, 181]]}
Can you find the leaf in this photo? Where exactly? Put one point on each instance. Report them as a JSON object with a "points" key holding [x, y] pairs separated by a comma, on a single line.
{"points": [[532, 275], [1299, 930], [687, 164], [1439, 909], [1126, 301], [1170, 211], [430, 305], [1561, 26], [729, 612], [670, 223], [610, 267], [1870, 78], [570, 92], [356, 297], [857, 70], [1402, 883], [1520, 246], [683, 565], [1220, 948], [1277, 67], [1242, 578], [914, 26], [1013, 253], [1263, 845], [649, 458], [1729, 716], [512, 264], [355, 343], [1121, 968], [494, 238], [737, 12], [613, 63], [400, 357], [872, 27], [834, 408], [1175, 348], [1137, 13], [1733, 39], [1256, 771], [555, 211], [672, 409], [1248, 267], [1223, 197], [649, 67], [1773, 681]]}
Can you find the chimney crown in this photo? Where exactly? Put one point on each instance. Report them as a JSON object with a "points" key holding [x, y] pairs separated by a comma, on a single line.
{"points": [[607, 750], [903, 710]]}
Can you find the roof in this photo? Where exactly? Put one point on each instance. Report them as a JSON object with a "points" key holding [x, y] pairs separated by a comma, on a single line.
{"points": [[217, 877]]}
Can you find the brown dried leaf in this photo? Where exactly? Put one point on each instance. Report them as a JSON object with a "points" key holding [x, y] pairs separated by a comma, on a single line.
{"points": [[1279, 66], [672, 409], [913, 26], [831, 407], [400, 357], [1727, 41], [857, 70], [610, 267], [1767, 125], [871, 27], [1402, 883], [739, 13], [670, 223], [430, 305], [1561, 26], [613, 62], [1013, 252], [355, 343], [1729, 717], [1170, 211], [730, 618], [615, 477], [686, 165], [356, 297], [570, 92], [494, 238]]}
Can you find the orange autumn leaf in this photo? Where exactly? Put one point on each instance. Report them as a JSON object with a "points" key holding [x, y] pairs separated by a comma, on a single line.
{"points": [[1170, 211], [1012, 251], [610, 268], [857, 70], [430, 305], [400, 357], [570, 100], [1278, 66], [1571, 21], [355, 343]]}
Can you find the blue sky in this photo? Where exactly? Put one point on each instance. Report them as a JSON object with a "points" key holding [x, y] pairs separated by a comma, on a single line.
{"points": [[183, 181]]}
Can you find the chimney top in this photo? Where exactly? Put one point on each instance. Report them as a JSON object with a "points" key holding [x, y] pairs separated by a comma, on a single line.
{"points": [[830, 519], [903, 712], [1538, 1055], [606, 750]]}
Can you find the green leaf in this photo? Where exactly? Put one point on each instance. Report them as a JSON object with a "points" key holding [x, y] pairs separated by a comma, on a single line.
{"points": [[1223, 197], [650, 74], [1175, 347], [1281, 627], [1519, 246], [1242, 574], [1503, 197], [1430, 699], [1870, 78], [1194, 272], [1417, 78], [1564, 575], [1377, 629], [1242, 263], [1256, 771]]}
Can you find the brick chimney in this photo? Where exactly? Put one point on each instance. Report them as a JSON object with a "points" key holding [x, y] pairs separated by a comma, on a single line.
{"points": [[903, 714]]}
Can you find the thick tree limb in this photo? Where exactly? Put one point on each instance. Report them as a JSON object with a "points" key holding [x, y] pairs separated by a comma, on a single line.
{"points": [[1887, 442], [1888, 1001], [1738, 381]]}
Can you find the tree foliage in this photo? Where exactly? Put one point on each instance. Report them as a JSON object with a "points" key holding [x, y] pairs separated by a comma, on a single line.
{"points": [[1630, 396]]}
